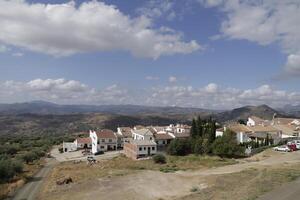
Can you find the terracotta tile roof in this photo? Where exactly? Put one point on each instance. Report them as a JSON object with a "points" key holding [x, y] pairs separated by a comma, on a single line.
{"points": [[86, 140], [143, 132], [106, 133], [238, 128], [181, 135], [262, 128], [163, 137], [126, 131], [143, 142]]}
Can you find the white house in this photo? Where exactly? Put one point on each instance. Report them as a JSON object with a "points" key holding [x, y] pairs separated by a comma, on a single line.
{"points": [[83, 143], [142, 134], [140, 149], [104, 140]]}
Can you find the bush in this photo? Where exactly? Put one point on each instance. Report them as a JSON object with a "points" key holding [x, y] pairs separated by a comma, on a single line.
{"points": [[29, 157], [159, 158], [99, 153], [226, 146], [9, 168], [179, 147]]}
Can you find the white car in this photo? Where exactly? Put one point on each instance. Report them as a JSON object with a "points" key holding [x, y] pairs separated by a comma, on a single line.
{"points": [[282, 148]]}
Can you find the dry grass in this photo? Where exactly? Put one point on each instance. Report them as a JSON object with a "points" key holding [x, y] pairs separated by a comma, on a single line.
{"points": [[20, 180], [246, 185], [121, 166]]}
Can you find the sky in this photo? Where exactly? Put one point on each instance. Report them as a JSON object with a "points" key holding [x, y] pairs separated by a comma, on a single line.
{"points": [[216, 54]]}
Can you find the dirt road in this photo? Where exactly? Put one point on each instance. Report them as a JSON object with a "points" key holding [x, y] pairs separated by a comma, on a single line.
{"points": [[157, 185], [30, 190], [285, 192]]}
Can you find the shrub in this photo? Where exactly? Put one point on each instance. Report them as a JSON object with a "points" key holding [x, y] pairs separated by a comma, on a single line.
{"points": [[179, 147], [159, 158], [226, 146], [29, 157], [99, 153], [9, 168]]}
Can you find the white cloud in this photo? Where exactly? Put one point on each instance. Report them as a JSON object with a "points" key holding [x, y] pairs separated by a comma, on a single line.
{"points": [[293, 64], [65, 29], [173, 79], [157, 8], [209, 96], [264, 22], [18, 54], [3, 48], [152, 78]]}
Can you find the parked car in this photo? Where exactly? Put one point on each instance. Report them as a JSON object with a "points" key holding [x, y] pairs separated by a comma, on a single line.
{"points": [[292, 146], [297, 142], [284, 148]]}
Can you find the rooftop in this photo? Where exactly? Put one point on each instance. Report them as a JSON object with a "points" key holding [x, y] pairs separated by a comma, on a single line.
{"points": [[106, 133]]}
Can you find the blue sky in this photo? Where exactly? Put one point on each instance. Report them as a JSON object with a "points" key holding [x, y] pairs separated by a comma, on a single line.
{"points": [[199, 53]]}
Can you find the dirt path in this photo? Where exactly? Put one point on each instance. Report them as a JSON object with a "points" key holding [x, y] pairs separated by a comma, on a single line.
{"points": [[150, 185], [30, 190], [286, 192]]}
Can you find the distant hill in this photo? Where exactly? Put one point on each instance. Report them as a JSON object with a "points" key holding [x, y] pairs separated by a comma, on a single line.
{"points": [[262, 111], [291, 110], [42, 107]]}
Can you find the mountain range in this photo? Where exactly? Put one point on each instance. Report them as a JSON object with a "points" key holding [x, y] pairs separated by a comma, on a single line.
{"points": [[48, 108]]}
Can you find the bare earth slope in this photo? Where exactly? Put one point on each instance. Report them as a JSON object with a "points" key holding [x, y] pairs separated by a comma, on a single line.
{"points": [[157, 185]]}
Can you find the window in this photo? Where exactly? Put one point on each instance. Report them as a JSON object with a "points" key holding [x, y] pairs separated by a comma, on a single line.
{"points": [[164, 142], [150, 138], [144, 148], [103, 140], [140, 148], [102, 147], [110, 140], [98, 142], [153, 148]]}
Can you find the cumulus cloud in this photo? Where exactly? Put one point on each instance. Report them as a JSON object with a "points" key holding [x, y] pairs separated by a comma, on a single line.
{"points": [[214, 96], [65, 29], [152, 78], [158, 8], [211, 96], [264, 22], [173, 79], [3, 48]]}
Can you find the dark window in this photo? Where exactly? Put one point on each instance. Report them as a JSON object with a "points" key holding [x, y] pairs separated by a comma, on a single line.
{"points": [[153, 148], [98, 142], [103, 140], [145, 148], [140, 148], [150, 138], [110, 140]]}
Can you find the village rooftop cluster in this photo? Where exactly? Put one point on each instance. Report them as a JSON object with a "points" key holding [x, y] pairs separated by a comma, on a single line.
{"points": [[145, 141]]}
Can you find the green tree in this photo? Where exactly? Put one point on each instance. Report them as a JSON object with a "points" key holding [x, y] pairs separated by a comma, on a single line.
{"points": [[197, 146], [194, 131], [199, 127], [179, 147], [226, 146]]}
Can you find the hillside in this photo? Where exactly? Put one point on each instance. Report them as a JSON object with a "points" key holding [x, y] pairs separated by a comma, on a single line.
{"points": [[46, 108], [262, 111], [50, 124]]}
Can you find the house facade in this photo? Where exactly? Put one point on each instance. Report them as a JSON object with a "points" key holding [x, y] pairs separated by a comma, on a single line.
{"points": [[83, 143], [140, 149], [104, 140]]}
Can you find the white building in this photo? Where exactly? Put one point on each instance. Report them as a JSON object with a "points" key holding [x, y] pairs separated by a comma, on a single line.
{"points": [[142, 134], [104, 140]]}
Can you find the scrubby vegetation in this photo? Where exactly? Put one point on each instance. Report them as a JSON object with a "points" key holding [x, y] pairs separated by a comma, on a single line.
{"points": [[203, 141], [159, 158], [18, 151]]}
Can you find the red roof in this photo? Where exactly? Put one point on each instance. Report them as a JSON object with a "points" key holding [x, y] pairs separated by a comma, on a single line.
{"points": [[163, 137], [106, 133], [86, 140]]}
